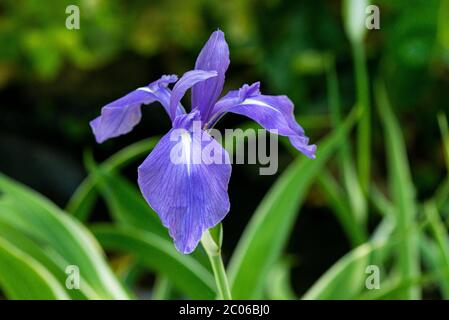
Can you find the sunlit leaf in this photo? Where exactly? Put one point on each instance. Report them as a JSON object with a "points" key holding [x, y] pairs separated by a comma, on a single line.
{"points": [[22, 277], [46, 256], [39, 218]]}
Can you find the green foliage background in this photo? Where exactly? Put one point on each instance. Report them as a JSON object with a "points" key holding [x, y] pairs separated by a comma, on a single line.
{"points": [[308, 232]]}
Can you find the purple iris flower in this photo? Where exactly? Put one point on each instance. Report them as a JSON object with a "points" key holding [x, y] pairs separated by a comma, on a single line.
{"points": [[191, 197]]}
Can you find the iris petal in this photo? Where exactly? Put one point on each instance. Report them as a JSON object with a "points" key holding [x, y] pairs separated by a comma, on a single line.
{"points": [[187, 80], [122, 115], [213, 56], [188, 192], [274, 113]]}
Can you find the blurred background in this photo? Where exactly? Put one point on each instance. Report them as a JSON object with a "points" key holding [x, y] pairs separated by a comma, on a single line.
{"points": [[53, 81]]}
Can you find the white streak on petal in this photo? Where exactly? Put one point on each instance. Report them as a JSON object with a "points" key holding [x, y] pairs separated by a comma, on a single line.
{"points": [[146, 89], [250, 101]]}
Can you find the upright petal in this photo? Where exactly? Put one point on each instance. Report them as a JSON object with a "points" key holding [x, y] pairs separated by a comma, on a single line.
{"points": [[185, 188], [213, 56], [274, 113], [122, 115], [188, 79]]}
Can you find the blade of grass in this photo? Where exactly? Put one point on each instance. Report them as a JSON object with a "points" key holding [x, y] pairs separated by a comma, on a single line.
{"points": [[380, 202], [364, 129], [345, 279], [402, 190], [442, 192], [433, 260], [386, 227], [439, 233], [442, 123], [341, 208], [357, 199], [393, 288], [354, 21]]}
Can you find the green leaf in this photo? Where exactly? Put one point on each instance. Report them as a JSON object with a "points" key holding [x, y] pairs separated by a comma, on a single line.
{"points": [[161, 289], [22, 277], [354, 18], [392, 288], [384, 230], [159, 255], [278, 284], [269, 229], [442, 123], [380, 202], [341, 208], [344, 280], [46, 256], [354, 192], [349, 205], [40, 219], [124, 201], [442, 192], [433, 261], [440, 236], [82, 201], [443, 24], [402, 190]]}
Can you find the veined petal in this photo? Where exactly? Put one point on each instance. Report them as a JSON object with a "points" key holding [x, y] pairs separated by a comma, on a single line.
{"points": [[188, 79], [274, 113], [122, 115], [213, 56], [183, 185]]}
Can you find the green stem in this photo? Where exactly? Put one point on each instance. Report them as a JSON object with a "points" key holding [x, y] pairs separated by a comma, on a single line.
{"points": [[364, 127], [220, 277], [214, 253]]}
